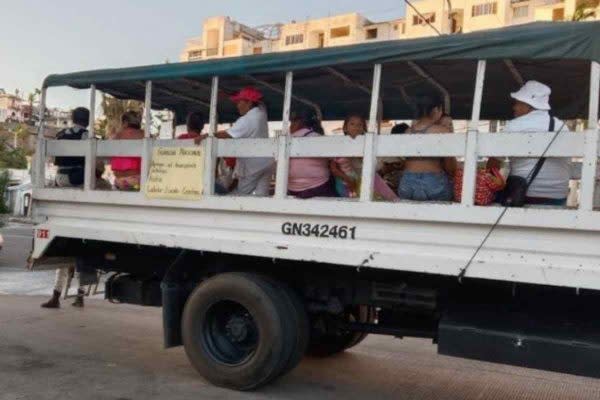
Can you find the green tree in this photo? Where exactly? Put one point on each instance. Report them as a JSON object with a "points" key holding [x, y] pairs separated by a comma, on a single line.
{"points": [[113, 109], [11, 157], [3, 186]]}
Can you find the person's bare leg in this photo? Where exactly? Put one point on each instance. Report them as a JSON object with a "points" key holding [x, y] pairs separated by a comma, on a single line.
{"points": [[80, 293]]}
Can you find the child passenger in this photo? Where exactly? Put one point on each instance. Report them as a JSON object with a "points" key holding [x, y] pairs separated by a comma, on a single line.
{"points": [[348, 171], [308, 177]]}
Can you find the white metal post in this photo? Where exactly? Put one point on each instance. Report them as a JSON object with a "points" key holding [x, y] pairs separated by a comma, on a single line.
{"points": [[89, 181], [369, 159], [40, 153], [284, 141], [211, 143], [590, 156], [470, 166], [147, 147]]}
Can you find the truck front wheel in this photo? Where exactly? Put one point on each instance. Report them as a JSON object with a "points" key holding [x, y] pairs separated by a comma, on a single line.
{"points": [[237, 330]]}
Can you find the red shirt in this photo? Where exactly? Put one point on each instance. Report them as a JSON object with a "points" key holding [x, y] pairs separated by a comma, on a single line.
{"points": [[188, 135]]}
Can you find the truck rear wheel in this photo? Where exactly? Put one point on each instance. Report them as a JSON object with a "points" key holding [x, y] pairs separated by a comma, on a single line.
{"points": [[238, 330], [333, 342]]}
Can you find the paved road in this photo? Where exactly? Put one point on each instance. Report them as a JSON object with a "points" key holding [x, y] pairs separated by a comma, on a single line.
{"points": [[14, 278], [109, 351], [17, 245]]}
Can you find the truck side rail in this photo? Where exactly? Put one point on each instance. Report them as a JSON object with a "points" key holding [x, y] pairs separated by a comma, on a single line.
{"points": [[472, 146]]}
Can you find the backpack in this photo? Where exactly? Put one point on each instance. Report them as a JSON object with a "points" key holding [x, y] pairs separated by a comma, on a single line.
{"points": [[71, 166]]}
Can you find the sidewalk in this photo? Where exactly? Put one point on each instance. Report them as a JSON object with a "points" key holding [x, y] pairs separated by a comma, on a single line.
{"points": [[109, 351]]}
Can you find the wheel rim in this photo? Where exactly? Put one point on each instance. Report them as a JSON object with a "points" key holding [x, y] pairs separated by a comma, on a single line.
{"points": [[229, 333]]}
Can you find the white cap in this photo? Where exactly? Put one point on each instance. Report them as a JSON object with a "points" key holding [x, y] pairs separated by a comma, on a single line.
{"points": [[534, 93]]}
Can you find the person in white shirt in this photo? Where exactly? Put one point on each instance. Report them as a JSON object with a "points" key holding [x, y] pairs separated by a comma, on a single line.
{"points": [[532, 114], [254, 174]]}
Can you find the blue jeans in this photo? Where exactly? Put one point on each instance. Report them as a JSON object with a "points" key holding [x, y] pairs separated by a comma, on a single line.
{"points": [[423, 186]]}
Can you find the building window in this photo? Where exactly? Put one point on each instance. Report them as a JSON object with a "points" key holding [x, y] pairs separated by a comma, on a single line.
{"points": [[371, 33], [294, 39], [395, 27], [428, 18], [520, 12], [257, 50], [484, 9], [212, 52], [194, 55], [342, 31], [558, 14], [231, 50]]}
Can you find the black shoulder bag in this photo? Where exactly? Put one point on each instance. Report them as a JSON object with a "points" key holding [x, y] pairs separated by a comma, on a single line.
{"points": [[515, 192]]}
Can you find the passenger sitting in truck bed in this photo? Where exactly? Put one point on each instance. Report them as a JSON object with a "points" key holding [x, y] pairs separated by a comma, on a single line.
{"points": [[427, 178], [309, 177], [224, 172], [531, 109], [71, 169], [348, 171], [127, 170], [254, 174], [392, 167], [195, 124]]}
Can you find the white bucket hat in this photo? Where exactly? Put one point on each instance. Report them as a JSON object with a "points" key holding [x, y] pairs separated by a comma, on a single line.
{"points": [[534, 93]]}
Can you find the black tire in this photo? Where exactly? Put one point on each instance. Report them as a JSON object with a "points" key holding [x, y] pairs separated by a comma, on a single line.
{"points": [[301, 327], [237, 331], [325, 345]]}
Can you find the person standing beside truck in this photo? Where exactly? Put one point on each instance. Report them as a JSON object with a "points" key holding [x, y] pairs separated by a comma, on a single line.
{"points": [[254, 174], [531, 109]]}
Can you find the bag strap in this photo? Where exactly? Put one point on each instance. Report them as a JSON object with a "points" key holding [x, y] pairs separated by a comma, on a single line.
{"points": [[541, 161]]}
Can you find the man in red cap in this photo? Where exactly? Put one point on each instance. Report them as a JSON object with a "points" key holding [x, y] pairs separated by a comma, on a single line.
{"points": [[254, 174]]}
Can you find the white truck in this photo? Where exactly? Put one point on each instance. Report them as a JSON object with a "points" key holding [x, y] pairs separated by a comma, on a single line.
{"points": [[250, 284]]}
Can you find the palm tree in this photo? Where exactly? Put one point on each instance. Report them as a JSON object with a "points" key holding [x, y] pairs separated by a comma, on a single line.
{"points": [[585, 9], [31, 99]]}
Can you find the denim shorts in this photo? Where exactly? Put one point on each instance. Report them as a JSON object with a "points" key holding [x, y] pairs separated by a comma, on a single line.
{"points": [[423, 186]]}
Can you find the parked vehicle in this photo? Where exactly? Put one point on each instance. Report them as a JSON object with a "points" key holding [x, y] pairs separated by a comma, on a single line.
{"points": [[249, 285]]}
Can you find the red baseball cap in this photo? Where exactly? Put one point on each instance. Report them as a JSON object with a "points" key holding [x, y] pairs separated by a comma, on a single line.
{"points": [[248, 93]]}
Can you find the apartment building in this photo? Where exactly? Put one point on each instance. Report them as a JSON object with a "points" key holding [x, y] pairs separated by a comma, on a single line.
{"points": [[11, 107], [224, 37]]}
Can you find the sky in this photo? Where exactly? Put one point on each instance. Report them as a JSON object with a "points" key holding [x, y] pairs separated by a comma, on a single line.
{"points": [[40, 37]]}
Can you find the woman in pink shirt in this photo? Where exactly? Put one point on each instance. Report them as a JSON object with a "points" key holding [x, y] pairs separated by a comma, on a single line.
{"points": [[127, 170], [309, 177]]}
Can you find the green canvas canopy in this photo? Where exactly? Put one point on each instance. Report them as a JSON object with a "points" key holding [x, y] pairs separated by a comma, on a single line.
{"points": [[337, 80]]}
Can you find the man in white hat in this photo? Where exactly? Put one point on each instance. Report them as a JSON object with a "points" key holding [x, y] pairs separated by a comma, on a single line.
{"points": [[531, 110]]}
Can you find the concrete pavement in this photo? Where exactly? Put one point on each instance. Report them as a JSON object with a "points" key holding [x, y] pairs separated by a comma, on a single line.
{"points": [[109, 351], [17, 245]]}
